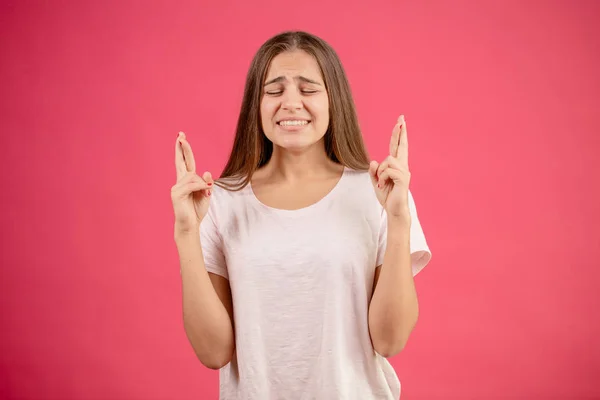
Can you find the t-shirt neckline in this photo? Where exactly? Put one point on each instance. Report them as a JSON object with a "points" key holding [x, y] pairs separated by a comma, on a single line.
{"points": [[300, 211]]}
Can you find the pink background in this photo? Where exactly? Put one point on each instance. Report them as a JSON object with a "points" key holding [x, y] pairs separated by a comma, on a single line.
{"points": [[501, 100]]}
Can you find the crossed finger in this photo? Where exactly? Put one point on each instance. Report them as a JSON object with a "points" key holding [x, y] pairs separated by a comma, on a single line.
{"points": [[184, 156], [399, 141], [180, 167]]}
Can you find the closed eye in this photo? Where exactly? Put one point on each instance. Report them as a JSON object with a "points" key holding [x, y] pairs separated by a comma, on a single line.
{"points": [[277, 92]]}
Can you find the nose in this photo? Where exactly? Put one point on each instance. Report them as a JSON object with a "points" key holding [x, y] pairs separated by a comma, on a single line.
{"points": [[291, 100]]}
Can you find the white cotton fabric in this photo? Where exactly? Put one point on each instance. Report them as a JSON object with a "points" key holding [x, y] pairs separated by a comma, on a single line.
{"points": [[301, 282]]}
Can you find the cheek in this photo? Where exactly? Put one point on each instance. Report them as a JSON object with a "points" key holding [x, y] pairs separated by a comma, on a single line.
{"points": [[266, 111], [321, 111]]}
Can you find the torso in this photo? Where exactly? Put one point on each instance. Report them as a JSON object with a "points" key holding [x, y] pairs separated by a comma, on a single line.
{"points": [[300, 260]]}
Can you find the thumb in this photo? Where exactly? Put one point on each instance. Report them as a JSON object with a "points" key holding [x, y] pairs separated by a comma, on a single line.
{"points": [[373, 166]]}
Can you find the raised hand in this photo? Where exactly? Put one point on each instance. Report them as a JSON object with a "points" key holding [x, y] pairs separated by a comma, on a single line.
{"points": [[391, 178], [191, 194]]}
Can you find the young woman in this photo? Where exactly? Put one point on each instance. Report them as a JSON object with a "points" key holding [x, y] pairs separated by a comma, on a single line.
{"points": [[298, 262]]}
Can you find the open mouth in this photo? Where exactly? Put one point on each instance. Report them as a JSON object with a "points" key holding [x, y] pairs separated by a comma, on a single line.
{"points": [[293, 123]]}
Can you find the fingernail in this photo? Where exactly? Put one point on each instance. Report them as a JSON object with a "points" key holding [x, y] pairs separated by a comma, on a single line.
{"points": [[209, 183], [379, 186], [210, 192]]}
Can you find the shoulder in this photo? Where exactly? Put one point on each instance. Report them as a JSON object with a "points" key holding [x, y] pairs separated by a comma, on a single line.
{"points": [[358, 179], [359, 193], [227, 197], [230, 186], [362, 179]]}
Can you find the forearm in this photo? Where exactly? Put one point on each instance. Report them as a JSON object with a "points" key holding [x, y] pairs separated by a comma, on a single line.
{"points": [[206, 320], [394, 309]]}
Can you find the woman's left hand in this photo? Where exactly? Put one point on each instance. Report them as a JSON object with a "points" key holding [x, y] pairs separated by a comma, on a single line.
{"points": [[392, 177]]}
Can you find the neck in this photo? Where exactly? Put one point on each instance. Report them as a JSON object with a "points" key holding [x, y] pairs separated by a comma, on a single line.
{"points": [[292, 166]]}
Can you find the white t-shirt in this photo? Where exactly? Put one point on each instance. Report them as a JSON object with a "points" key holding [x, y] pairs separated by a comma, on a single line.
{"points": [[301, 282]]}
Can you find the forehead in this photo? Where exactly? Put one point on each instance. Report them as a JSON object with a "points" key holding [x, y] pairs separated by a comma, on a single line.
{"points": [[294, 63]]}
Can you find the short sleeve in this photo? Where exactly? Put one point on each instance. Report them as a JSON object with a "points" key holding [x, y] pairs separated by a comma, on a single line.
{"points": [[212, 246], [419, 249]]}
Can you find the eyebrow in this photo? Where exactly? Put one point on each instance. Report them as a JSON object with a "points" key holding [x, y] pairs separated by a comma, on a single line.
{"points": [[300, 78]]}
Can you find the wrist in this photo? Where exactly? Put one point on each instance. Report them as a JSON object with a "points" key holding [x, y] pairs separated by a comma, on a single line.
{"points": [[399, 220], [398, 228]]}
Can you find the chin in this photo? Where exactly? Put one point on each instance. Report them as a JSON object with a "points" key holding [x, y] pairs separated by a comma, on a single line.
{"points": [[294, 144], [297, 142]]}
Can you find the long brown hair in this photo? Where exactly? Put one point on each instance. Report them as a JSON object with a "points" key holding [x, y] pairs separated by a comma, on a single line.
{"points": [[343, 139]]}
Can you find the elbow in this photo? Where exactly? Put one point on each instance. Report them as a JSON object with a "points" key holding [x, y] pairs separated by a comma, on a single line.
{"points": [[390, 348], [213, 354], [388, 341], [390, 338], [215, 363], [214, 349], [216, 359]]}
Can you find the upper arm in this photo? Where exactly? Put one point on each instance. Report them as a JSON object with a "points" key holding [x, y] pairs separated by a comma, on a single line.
{"points": [[223, 290], [214, 260], [376, 278]]}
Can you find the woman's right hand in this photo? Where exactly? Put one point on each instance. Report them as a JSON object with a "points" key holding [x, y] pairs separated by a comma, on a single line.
{"points": [[191, 194]]}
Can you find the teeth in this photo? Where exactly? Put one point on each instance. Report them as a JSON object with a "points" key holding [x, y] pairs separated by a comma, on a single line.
{"points": [[293, 123]]}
